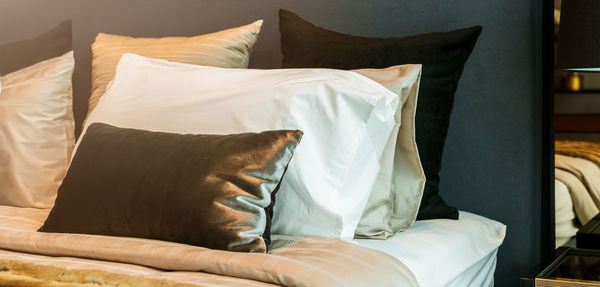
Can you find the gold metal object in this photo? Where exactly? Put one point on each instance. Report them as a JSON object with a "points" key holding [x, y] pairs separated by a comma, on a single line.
{"points": [[572, 82]]}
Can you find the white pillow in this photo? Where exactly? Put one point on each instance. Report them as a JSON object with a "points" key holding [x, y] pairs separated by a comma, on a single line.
{"points": [[36, 132], [347, 120]]}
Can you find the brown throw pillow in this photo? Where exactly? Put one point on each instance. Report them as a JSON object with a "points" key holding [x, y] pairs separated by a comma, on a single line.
{"points": [[18, 55], [205, 190]]}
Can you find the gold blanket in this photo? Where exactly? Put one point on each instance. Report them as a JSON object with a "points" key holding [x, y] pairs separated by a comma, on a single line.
{"points": [[581, 149], [51, 259]]}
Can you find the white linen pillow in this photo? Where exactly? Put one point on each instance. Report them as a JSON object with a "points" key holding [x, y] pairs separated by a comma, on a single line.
{"points": [[36, 132], [347, 120]]}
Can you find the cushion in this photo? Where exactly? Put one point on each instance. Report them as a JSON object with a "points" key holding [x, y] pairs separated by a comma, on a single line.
{"points": [[347, 120], [396, 196], [18, 55], [202, 190], [228, 48], [36, 132], [442, 55]]}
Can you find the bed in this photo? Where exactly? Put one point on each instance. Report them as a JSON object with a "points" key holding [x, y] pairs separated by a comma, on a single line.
{"points": [[468, 251], [473, 239], [313, 172], [576, 187]]}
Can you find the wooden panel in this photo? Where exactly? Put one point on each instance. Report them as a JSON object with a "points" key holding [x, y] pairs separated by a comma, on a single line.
{"points": [[577, 123]]}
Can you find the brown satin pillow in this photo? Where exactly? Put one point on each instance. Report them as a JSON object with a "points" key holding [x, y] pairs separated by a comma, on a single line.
{"points": [[18, 55], [205, 190]]}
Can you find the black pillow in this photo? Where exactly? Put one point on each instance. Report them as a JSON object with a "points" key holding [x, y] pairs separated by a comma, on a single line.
{"points": [[204, 190], [442, 55], [18, 55]]}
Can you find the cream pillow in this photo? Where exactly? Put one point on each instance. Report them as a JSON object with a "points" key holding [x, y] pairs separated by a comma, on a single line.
{"points": [[396, 194], [36, 132], [228, 49]]}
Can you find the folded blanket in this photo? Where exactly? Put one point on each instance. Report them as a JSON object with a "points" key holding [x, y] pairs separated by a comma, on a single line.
{"points": [[291, 262]]}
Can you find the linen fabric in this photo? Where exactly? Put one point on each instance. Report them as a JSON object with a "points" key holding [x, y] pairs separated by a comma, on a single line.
{"points": [[442, 55], [566, 224], [229, 48], [36, 132], [464, 250], [54, 43], [203, 190], [396, 196], [346, 118], [582, 178], [292, 261]]}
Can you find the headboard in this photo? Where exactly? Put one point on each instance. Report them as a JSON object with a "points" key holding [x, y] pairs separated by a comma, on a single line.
{"points": [[492, 159]]}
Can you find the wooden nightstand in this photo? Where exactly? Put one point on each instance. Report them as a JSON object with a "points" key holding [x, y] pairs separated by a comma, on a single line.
{"points": [[574, 267]]}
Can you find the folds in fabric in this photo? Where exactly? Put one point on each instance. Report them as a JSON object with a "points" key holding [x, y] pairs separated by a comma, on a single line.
{"points": [[293, 261], [582, 178]]}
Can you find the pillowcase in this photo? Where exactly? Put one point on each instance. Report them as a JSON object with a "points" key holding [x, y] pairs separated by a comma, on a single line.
{"points": [[36, 132], [347, 120], [400, 182], [18, 55], [202, 190], [442, 55], [228, 48]]}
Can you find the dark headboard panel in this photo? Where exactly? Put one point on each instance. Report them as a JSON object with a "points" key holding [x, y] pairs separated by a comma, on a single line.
{"points": [[492, 161]]}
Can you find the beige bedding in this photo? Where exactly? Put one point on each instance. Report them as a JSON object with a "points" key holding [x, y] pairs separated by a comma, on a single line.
{"points": [[582, 178], [566, 224], [83, 259]]}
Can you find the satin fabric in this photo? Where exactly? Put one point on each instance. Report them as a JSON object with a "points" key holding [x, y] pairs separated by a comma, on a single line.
{"points": [[229, 48], [36, 132], [205, 190], [347, 120], [291, 261]]}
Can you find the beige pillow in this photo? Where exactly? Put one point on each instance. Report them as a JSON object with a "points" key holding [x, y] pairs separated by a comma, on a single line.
{"points": [[36, 132], [396, 195], [227, 49]]}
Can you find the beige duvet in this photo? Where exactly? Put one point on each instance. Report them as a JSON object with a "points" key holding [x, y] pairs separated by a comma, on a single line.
{"points": [[30, 258], [578, 167]]}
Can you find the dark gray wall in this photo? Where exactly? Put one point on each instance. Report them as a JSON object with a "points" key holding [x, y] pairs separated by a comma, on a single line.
{"points": [[492, 158]]}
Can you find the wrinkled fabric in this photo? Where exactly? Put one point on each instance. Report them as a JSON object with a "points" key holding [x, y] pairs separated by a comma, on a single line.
{"points": [[396, 196], [347, 120], [443, 56], [205, 190], [292, 261], [229, 48], [36, 132], [566, 224], [582, 178]]}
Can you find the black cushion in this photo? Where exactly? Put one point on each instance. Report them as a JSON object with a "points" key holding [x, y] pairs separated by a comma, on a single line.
{"points": [[213, 191], [442, 55], [18, 55]]}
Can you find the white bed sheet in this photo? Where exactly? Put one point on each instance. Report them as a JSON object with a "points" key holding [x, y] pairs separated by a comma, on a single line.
{"points": [[443, 252], [565, 219]]}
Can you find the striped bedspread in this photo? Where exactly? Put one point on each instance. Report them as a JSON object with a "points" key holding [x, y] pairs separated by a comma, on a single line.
{"points": [[30, 258]]}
